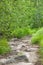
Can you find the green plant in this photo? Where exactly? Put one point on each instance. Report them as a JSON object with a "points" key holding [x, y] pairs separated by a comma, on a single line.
{"points": [[16, 14], [4, 46], [41, 52], [38, 36], [38, 39], [20, 32]]}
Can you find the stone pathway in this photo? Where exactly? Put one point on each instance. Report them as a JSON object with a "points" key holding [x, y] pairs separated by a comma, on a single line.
{"points": [[22, 53]]}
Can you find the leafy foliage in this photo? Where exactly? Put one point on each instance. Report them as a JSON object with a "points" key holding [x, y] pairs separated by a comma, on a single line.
{"points": [[16, 14], [38, 36], [20, 32]]}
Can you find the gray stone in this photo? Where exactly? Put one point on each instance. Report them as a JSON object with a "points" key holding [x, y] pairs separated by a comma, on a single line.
{"points": [[34, 49], [13, 48], [11, 42], [4, 61], [25, 41], [14, 39], [31, 49], [20, 46], [22, 58], [33, 57], [7, 60], [22, 63]]}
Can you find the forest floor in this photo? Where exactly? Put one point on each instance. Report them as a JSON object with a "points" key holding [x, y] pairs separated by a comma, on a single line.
{"points": [[22, 52]]}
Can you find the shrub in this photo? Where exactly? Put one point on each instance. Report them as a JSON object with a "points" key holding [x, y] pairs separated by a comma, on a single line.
{"points": [[38, 36], [4, 47], [20, 32]]}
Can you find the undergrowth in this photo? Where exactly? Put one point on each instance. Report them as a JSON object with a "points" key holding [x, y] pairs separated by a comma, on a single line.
{"points": [[20, 32], [38, 36], [4, 46], [38, 39]]}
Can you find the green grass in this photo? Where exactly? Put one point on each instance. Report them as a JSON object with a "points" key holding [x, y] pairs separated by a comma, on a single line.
{"points": [[38, 39], [20, 32], [41, 53], [4, 46], [38, 36]]}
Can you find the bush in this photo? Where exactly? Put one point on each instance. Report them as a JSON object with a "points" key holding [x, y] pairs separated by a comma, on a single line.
{"points": [[20, 32], [38, 36], [4, 47]]}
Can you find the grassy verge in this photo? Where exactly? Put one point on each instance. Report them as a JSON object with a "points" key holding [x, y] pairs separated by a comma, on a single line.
{"points": [[20, 32], [4, 46], [38, 39]]}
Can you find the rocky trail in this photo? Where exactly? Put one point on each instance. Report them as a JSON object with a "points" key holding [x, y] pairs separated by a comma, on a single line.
{"points": [[22, 52]]}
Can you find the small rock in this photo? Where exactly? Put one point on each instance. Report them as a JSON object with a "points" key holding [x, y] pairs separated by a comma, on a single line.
{"points": [[14, 39], [31, 49], [4, 61], [13, 47], [21, 45], [35, 46], [22, 63], [34, 49], [28, 50], [25, 41], [33, 57], [11, 43], [21, 58]]}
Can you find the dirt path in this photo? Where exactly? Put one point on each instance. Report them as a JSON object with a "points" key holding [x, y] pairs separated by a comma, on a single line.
{"points": [[23, 53]]}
